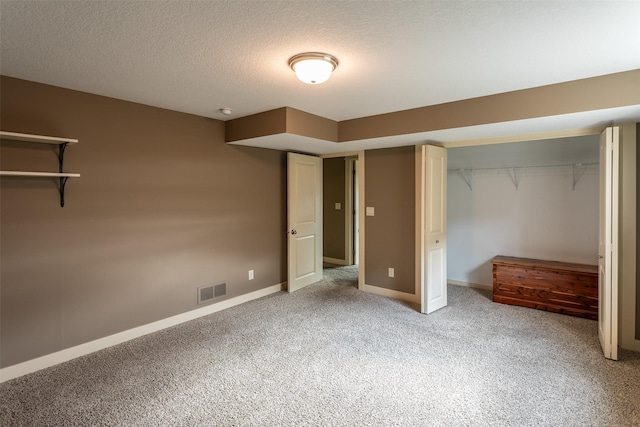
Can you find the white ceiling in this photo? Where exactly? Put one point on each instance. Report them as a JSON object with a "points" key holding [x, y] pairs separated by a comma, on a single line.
{"points": [[200, 56]]}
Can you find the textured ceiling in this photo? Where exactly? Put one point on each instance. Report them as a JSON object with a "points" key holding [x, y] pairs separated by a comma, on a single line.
{"points": [[198, 57]]}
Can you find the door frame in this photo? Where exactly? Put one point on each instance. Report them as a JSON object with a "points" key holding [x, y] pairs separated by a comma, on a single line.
{"points": [[361, 210], [350, 225]]}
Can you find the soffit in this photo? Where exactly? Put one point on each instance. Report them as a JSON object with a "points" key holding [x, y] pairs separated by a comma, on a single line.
{"points": [[562, 125]]}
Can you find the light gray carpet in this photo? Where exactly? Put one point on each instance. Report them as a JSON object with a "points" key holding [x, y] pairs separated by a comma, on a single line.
{"points": [[332, 355]]}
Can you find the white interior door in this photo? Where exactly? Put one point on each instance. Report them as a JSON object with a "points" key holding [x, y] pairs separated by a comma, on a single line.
{"points": [[608, 243], [434, 226], [304, 206]]}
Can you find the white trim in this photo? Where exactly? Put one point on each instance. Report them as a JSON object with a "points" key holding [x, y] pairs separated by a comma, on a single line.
{"points": [[33, 365], [389, 293], [470, 284], [419, 224], [348, 210], [334, 261], [355, 217], [361, 220]]}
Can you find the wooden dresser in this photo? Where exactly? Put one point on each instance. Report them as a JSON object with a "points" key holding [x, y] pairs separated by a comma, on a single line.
{"points": [[560, 287]]}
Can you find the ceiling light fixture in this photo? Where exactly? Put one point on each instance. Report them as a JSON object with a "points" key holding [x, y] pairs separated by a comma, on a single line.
{"points": [[313, 67]]}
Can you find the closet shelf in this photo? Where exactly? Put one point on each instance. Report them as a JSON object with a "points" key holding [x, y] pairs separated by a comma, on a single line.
{"points": [[515, 173], [43, 139]]}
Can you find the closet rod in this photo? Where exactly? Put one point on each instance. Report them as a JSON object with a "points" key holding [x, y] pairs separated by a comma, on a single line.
{"points": [[515, 173], [525, 167]]}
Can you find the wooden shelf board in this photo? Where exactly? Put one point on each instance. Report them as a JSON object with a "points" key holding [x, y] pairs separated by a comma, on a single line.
{"points": [[42, 139], [40, 174]]}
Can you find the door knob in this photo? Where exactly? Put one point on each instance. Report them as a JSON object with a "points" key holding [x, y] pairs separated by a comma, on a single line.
{"points": [[294, 231], [437, 241]]}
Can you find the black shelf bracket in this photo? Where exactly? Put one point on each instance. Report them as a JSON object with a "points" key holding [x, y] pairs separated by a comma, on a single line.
{"points": [[63, 183], [63, 179]]}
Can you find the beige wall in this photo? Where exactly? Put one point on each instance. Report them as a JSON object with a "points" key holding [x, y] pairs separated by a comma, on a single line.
{"points": [[163, 206], [390, 234], [334, 225]]}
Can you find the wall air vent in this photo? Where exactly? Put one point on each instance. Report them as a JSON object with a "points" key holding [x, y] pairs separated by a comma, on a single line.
{"points": [[219, 290], [208, 293]]}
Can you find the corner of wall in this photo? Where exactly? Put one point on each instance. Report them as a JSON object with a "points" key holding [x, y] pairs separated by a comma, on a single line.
{"points": [[629, 320]]}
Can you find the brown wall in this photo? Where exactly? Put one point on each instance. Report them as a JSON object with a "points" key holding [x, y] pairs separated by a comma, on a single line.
{"points": [[334, 220], [637, 240], [390, 234], [602, 92], [163, 206], [307, 124]]}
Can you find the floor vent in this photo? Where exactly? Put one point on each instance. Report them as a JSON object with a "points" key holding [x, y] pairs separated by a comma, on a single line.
{"points": [[208, 293]]}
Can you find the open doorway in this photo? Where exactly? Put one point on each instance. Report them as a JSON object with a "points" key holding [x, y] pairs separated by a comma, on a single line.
{"points": [[533, 199], [568, 212], [341, 225]]}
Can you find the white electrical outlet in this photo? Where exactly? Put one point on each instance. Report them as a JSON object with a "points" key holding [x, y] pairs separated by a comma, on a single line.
{"points": [[392, 272], [338, 206], [250, 274], [370, 211]]}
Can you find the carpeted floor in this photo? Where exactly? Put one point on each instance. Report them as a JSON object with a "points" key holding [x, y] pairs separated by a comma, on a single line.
{"points": [[332, 355]]}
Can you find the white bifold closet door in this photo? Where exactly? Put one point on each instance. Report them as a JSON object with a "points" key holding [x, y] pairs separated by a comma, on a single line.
{"points": [[432, 214], [608, 242]]}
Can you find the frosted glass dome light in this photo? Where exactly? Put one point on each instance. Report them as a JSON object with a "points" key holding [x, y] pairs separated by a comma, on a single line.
{"points": [[313, 67]]}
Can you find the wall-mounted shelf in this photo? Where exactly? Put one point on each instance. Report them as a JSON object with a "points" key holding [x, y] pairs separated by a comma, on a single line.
{"points": [[516, 173], [40, 174], [42, 139], [25, 137]]}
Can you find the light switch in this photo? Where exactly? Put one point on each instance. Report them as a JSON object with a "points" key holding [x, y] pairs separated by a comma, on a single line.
{"points": [[392, 272], [338, 206], [371, 211]]}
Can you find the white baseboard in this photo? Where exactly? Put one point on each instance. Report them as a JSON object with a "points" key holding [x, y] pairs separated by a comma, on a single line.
{"points": [[334, 261], [633, 345], [403, 296], [470, 284], [33, 365]]}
